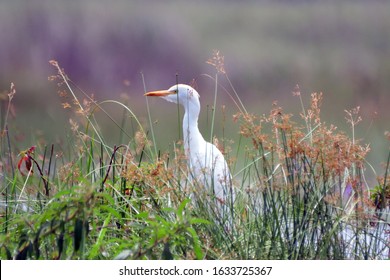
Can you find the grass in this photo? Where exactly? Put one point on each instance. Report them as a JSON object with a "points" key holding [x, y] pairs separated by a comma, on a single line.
{"points": [[301, 193]]}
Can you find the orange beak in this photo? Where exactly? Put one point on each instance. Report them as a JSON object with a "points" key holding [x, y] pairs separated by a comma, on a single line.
{"points": [[159, 93]]}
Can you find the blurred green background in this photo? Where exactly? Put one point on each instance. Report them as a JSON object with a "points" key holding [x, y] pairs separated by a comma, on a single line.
{"points": [[340, 48]]}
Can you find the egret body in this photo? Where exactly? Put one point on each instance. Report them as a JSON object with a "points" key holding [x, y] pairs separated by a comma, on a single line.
{"points": [[206, 163]]}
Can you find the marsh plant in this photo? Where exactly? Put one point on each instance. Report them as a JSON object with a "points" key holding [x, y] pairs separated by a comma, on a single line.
{"points": [[301, 189]]}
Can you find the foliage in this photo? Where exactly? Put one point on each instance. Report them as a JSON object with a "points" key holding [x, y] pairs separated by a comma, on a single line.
{"points": [[301, 194]]}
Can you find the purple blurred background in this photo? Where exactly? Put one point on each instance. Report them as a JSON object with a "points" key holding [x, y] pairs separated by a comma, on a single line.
{"points": [[341, 48]]}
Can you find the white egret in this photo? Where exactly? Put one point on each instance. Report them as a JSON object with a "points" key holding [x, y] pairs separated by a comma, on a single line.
{"points": [[206, 163]]}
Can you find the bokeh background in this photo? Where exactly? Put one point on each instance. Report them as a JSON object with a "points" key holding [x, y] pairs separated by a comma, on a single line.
{"points": [[340, 48]]}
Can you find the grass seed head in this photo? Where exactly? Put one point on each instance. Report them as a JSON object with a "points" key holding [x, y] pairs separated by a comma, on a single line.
{"points": [[218, 61]]}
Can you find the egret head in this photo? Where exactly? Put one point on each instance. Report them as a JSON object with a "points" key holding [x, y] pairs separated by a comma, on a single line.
{"points": [[180, 93]]}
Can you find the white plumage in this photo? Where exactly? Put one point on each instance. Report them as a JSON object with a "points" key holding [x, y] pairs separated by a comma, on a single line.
{"points": [[206, 163]]}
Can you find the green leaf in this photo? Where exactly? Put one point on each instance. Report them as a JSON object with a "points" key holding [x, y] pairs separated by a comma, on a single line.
{"points": [[161, 233], [107, 197], [161, 220], [142, 215], [197, 248], [168, 209], [62, 193], [36, 244], [95, 248], [181, 207], [111, 210], [199, 221]]}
